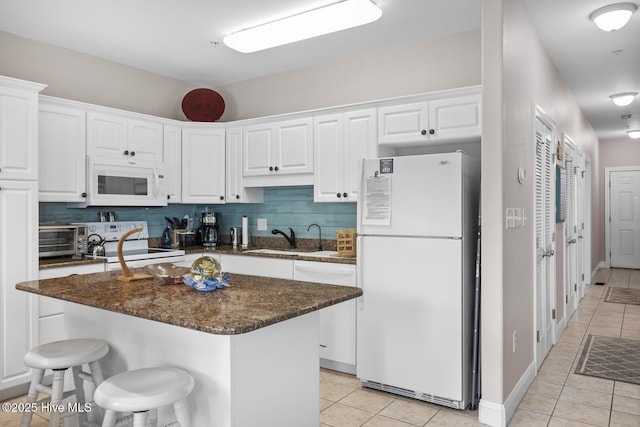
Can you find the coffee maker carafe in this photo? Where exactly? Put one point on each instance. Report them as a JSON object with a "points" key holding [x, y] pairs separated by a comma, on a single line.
{"points": [[209, 229]]}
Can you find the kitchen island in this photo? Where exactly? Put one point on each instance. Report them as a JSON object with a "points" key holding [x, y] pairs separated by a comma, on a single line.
{"points": [[252, 348]]}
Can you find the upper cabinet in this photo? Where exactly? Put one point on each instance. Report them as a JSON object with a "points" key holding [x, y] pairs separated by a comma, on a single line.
{"points": [[19, 129], [62, 151], [449, 119], [340, 141], [119, 136], [203, 164], [172, 157], [236, 192], [278, 153]]}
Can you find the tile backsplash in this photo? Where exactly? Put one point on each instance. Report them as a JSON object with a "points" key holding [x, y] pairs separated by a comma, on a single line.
{"points": [[283, 207]]}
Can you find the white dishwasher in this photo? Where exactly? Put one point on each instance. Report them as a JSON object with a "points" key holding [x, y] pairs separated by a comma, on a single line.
{"points": [[337, 322]]}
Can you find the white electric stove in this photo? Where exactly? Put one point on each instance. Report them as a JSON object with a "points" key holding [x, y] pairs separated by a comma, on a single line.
{"points": [[135, 249]]}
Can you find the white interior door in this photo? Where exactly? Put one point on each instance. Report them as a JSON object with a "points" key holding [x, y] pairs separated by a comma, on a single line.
{"points": [[545, 238], [580, 231], [570, 229], [624, 195]]}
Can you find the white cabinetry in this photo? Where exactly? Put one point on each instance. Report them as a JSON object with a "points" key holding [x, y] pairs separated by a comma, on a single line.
{"points": [[235, 189], [452, 119], [203, 164], [123, 137], [18, 263], [18, 127], [340, 141], [173, 160], [51, 312], [279, 153], [257, 266], [337, 322], [18, 227], [62, 151]]}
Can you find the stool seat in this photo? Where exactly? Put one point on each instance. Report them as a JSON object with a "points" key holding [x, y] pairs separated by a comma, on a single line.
{"points": [[143, 389], [67, 353]]}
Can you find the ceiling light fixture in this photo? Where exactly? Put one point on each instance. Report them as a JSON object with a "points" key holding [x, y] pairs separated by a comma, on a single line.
{"points": [[623, 99], [316, 22], [614, 17], [635, 134]]}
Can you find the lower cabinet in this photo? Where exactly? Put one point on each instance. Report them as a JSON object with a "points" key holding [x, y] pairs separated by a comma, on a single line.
{"points": [[257, 266], [50, 311], [337, 322]]}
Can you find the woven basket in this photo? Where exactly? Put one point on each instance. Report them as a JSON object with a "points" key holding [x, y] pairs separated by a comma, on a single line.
{"points": [[346, 242]]}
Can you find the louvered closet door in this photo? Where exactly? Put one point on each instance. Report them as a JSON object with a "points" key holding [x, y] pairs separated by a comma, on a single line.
{"points": [[571, 259], [544, 225], [582, 274]]}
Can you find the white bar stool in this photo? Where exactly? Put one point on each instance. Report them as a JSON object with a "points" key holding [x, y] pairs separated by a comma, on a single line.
{"points": [[60, 356], [143, 391]]}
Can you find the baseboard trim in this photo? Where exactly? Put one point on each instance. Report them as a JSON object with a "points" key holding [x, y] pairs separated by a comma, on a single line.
{"points": [[497, 415]]}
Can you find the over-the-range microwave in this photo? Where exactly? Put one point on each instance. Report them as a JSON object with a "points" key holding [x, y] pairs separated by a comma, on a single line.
{"points": [[115, 182]]}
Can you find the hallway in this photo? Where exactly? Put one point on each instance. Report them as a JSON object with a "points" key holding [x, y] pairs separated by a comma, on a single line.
{"points": [[558, 396]]}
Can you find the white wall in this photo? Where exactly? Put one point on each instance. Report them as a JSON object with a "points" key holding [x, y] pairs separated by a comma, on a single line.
{"points": [[85, 78], [528, 78], [440, 63]]}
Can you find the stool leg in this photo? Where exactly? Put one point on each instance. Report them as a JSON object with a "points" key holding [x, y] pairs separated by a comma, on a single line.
{"points": [[152, 417], [140, 419], [78, 383], [57, 389], [109, 418], [32, 396], [181, 411], [97, 376]]}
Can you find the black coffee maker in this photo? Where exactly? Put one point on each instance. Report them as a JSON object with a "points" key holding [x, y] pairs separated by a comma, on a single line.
{"points": [[208, 230]]}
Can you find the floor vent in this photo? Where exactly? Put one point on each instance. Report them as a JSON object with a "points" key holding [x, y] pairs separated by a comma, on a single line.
{"points": [[455, 404]]}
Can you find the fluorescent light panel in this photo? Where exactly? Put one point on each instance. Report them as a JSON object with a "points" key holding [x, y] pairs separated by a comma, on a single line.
{"points": [[635, 134], [317, 22], [614, 17], [623, 99]]}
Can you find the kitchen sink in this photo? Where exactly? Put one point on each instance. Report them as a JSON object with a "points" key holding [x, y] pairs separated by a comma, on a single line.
{"points": [[292, 252]]}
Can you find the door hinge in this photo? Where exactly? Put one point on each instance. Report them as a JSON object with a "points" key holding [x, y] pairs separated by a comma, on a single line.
{"points": [[553, 313], [566, 299], [575, 287], [583, 173], [582, 277], [537, 336]]}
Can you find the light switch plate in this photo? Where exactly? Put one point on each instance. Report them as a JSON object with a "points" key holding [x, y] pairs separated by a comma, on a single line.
{"points": [[262, 224]]}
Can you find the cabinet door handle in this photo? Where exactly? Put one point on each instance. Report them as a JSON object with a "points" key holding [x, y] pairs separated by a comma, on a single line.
{"points": [[126, 152], [338, 195], [83, 195], [423, 132], [237, 196], [432, 131], [270, 168], [133, 153], [221, 197], [344, 195], [276, 169]]}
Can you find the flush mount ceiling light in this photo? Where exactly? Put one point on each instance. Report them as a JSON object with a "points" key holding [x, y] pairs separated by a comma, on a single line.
{"points": [[316, 22], [635, 134], [623, 99], [614, 17]]}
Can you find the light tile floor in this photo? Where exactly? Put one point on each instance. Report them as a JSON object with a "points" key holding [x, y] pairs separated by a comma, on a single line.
{"points": [[557, 397]]}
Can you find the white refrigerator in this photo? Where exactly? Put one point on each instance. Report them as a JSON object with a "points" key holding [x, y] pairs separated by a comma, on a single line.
{"points": [[416, 245]]}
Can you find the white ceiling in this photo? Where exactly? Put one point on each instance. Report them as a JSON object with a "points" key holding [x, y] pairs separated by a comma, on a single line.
{"points": [[173, 38], [583, 54]]}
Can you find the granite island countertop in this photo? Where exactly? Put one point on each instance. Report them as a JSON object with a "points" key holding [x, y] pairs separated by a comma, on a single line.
{"points": [[249, 303]]}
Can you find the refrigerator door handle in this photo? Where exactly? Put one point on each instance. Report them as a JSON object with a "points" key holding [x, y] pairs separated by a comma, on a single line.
{"points": [[359, 271]]}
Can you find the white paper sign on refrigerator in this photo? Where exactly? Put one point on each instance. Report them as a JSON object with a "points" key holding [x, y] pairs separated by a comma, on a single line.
{"points": [[377, 201]]}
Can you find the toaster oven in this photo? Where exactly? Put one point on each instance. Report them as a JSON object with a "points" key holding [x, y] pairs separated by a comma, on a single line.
{"points": [[62, 240]]}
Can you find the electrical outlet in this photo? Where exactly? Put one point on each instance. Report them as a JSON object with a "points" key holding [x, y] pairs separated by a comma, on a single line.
{"points": [[262, 224], [515, 339]]}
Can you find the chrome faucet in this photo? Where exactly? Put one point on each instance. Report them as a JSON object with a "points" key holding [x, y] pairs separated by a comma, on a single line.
{"points": [[319, 235], [291, 240]]}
